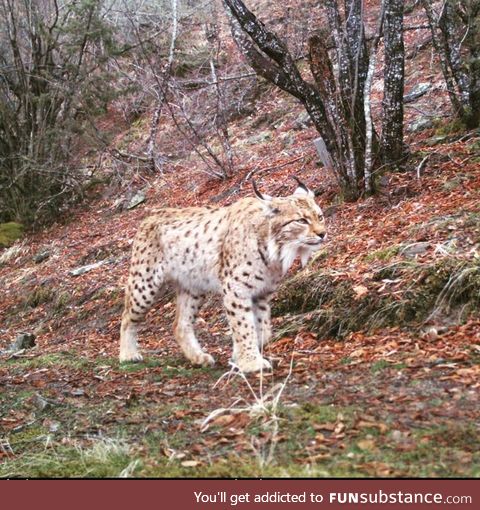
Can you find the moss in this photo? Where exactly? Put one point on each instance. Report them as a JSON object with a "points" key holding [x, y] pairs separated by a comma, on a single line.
{"points": [[450, 128], [23, 439], [39, 296], [59, 359], [320, 413], [61, 301], [9, 233], [384, 254], [379, 365]]}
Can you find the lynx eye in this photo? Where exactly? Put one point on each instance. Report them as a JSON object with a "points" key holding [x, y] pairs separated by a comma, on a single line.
{"points": [[304, 221]]}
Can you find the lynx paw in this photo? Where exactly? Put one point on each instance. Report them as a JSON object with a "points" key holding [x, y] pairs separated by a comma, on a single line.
{"points": [[132, 356], [254, 365], [204, 359]]}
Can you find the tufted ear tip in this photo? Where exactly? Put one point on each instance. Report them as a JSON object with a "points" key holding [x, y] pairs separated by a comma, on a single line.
{"points": [[302, 188], [261, 196]]}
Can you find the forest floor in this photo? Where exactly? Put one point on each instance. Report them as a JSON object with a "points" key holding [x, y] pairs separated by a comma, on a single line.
{"points": [[393, 401], [390, 388]]}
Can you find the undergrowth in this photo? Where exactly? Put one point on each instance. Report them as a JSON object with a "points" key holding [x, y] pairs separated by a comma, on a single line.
{"points": [[326, 301]]}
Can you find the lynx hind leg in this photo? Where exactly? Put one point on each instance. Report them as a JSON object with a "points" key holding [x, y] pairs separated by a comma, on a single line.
{"points": [[128, 331], [187, 309], [143, 287]]}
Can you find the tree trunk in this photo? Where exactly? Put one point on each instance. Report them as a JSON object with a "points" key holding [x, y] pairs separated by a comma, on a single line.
{"points": [[336, 103], [456, 38], [161, 91], [272, 60], [392, 125]]}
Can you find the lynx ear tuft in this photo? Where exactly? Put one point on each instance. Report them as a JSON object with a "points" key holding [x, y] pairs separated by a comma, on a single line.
{"points": [[302, 188], [264, 198]]}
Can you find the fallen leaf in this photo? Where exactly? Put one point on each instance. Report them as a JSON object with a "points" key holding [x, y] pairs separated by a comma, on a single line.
{"points": [[366, 444], [224, 420], [362, 424], [325, 426], [190, 463], [360, 291]]}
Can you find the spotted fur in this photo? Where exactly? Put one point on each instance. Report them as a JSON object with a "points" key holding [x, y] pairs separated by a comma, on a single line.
{"points": [[241, 251]]}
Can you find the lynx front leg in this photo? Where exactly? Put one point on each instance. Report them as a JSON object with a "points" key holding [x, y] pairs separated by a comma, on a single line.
{"points": [[261, 310], [245, 339], [187, 308]]}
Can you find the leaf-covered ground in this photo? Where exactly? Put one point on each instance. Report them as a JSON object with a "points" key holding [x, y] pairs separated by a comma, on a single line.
{"points": [[377, 350], [396, 401]]}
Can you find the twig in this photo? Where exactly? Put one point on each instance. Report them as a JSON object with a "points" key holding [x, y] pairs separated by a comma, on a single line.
{"points": [[209, 83], [426, 114], [423, 163]]}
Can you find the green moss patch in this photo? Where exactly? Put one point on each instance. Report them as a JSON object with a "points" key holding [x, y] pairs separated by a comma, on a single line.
{"points": [[9, 233]]}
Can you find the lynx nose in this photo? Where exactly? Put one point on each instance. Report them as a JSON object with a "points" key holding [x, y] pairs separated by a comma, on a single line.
{"points": [[321, 235]]}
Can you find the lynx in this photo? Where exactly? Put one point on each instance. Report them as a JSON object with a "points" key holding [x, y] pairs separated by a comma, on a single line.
{"points": [[241, 251]]}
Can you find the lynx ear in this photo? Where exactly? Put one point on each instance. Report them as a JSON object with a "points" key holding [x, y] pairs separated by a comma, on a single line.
{"points": [[302, 188], [264, 198]]}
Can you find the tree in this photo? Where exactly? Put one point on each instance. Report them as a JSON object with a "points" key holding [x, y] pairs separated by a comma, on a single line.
{"points": [[166, 69], [392, 127], [455, 27], [50, 82], [336, 100]]}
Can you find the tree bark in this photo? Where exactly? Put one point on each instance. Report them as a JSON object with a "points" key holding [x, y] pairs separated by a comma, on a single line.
{"points": [[456, 38], [392, 122], [369, 180]]}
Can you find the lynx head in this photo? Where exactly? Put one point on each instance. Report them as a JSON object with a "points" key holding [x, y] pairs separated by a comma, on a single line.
{"points": [[297, 225]]}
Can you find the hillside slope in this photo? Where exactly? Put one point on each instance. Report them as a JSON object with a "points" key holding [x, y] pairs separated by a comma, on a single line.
{"points": [[377, 346]]}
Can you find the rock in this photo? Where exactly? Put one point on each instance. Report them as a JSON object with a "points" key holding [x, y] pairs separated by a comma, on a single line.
{"points": [[41, 256], [435, 140], [23, 341], [85, 269], [287, 139], [430, 333], [420, 125], [398, 436], [322, 152], [40, 403], [262, 137], [418, 90], [414, 249], [137, 199], [303, 121]]}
